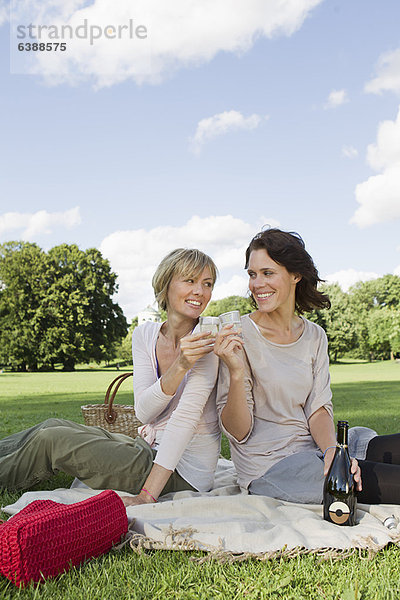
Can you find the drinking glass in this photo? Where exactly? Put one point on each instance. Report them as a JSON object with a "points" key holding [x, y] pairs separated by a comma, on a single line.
{"points": [[232, 318], [209, 324]]}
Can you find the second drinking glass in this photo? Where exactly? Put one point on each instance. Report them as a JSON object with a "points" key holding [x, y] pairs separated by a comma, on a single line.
{"points": [[232, 318]]}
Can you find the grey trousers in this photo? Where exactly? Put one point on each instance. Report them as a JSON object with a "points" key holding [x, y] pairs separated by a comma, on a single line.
{"points": [[300, 477], [100, 459]]}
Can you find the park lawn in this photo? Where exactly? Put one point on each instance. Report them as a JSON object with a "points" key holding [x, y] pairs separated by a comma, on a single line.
{"points": [[29, 398], [365, 394], [368, 394]]}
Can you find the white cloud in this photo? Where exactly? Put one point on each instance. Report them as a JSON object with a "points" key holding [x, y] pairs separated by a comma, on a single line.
{"points": [[379, 198], [379, 195], [388, 74], [236, 286], [386, 151], [135, 254], [232, 257], [349, 152], [181, 33], [348, 277], [39, 223], [336, 98], [220, 124], [397, 271]]}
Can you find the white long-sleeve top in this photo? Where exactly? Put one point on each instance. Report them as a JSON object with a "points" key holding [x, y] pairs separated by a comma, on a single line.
{"points": [[185, 425]]}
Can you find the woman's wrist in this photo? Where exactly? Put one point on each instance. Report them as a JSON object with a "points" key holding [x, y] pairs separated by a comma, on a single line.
{"points": [[329, 450], [236, 374], [170, 381], [147, 496], [183, 365]]}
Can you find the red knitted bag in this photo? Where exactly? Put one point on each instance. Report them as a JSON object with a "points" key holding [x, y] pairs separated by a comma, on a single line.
{"points": [[46, 538]]}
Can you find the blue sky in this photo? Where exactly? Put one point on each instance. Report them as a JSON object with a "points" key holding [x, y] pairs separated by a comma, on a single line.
{"points": [[234, 115]]}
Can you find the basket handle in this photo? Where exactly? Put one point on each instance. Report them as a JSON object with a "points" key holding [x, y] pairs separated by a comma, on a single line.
{"points": [[110, 414]]}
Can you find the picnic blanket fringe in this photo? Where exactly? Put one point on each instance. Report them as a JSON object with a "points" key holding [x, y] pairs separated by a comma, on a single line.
{"points": [[365, 548]]}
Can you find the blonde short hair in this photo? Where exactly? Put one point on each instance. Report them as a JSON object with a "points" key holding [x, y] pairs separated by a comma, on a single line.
{"points": [[182, 261]]}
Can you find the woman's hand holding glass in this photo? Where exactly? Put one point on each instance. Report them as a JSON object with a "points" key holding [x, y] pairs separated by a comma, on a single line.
{"points": [[229, 348], [193, 347], [209, 324]]}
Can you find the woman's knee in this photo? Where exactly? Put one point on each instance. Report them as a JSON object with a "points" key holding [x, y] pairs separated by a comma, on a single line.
{"points": [[45, 436], [53, 422], [53, 431]]}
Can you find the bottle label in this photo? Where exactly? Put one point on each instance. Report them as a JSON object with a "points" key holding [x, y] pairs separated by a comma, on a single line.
{"points": [[339, 512]]}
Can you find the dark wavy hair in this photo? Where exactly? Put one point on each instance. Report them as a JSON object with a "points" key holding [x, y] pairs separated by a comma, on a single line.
{"points": [[288, 249]]}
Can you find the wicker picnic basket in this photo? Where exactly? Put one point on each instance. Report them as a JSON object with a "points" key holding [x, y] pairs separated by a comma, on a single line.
{"points": [[116, 418]]}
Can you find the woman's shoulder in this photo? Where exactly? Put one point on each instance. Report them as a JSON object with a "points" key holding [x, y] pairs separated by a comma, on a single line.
{"points": [[246, 318], [247, 323], [314, 330], [146, 331]]}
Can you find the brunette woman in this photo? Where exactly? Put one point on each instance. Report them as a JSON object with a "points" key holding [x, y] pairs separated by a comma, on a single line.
{"points": [[274, 396]]}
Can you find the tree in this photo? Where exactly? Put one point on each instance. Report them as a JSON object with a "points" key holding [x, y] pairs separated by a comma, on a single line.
{"points": [[338, 321], [368, 299], [23, 274], [217, 307], [124, 351], [379, 323], [70, 316], [394, 335], [386, 291], [384, 331], [362, 301], [82, 321]]}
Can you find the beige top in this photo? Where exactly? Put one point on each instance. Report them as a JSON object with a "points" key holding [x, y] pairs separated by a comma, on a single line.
{"points": [[285, 385]]}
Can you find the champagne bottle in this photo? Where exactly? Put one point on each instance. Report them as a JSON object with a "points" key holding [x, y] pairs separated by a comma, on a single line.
{"points": [[340, 502]]}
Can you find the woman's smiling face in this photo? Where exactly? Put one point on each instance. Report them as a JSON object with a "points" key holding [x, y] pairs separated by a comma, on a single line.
{"points": [[189, 296], [270, 283]]}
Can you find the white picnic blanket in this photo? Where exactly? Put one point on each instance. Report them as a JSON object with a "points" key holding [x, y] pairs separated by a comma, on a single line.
{"points": [[229, 520]]}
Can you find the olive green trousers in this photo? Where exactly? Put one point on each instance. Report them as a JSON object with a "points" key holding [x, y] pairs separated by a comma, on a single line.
{"points": [[100, 459]]}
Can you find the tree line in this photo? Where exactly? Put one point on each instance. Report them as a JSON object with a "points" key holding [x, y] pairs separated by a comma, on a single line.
{"points": [[56, 307], [363, 322]]}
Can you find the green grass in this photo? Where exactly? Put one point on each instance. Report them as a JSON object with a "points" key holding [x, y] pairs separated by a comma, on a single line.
{"points": [[365, 394], [28, 398], [368, 394]]}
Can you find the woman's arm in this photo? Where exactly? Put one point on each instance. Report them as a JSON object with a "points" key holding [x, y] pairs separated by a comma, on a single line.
{"points": [[179, 429], [323, 433], [319, 411], [192, 348], [236, 416], [152, 487], [185, 418], [153, 393], [150, 400]]}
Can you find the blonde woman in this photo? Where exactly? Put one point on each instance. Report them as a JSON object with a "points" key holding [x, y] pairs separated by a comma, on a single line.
{"points": [[175, 373]]}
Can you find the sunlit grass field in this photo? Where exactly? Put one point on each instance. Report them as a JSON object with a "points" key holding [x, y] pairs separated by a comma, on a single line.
{"points": [[365, 394]]}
